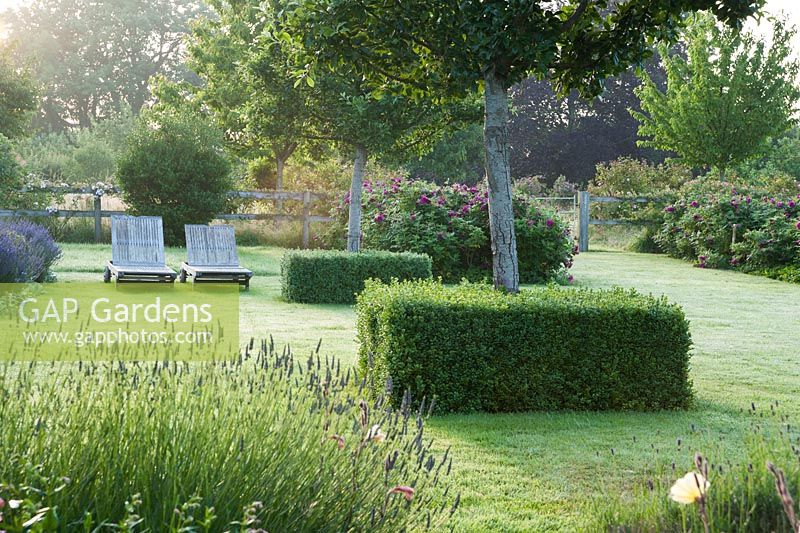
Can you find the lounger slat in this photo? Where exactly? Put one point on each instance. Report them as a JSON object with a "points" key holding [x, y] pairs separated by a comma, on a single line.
{"points": [[137, 241], [211, 245]]}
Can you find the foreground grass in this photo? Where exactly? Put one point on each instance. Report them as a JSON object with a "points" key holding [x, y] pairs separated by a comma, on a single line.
{"points": [[541, 471]]}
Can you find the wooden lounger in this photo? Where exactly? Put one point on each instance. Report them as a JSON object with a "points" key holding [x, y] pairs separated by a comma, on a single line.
{"points": [[212, 256], [137, 251]]}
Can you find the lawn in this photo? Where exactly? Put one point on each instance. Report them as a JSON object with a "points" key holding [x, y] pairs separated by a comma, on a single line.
{"points": [[540, 471]]}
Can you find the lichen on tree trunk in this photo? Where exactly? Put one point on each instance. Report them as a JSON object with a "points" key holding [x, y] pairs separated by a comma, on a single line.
{"points": [[498, 174], [354, 219]]}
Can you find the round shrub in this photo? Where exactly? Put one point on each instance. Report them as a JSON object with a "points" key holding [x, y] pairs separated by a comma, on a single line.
{"points": [[27, 251], [451, 225], [174, 167]]}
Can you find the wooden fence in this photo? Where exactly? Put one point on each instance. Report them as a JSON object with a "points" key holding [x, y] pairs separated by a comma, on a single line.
{"points": [[307, 197], [585, 200]]}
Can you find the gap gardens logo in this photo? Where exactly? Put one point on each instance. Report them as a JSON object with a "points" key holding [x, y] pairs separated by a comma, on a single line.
{"points": [[136, 322]]}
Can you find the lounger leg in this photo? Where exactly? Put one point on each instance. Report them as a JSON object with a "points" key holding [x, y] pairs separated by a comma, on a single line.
{"points": [[183, 276], [107, 275]]}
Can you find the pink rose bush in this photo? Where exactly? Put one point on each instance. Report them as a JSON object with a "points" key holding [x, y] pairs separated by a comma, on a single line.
{"points": [[451, 225]]}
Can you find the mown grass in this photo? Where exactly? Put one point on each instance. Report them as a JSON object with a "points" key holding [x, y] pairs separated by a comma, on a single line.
{"points": [[543, 471], [263, 312]]}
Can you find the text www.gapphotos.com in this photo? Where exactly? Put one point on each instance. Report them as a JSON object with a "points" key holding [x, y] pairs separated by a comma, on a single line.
{"points": [[106, 338]]}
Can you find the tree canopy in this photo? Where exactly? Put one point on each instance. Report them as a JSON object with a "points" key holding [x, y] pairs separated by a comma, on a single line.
{"points": [[723, 100], [18, 96], [445, 47], [263, 115], [95, 57]]}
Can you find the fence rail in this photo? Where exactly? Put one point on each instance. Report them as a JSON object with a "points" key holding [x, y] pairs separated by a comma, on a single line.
{"points": [[585, 200], [307, 197]]}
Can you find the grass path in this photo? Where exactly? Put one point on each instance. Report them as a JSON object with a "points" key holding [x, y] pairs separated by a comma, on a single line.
{"points": [[539, 471]]}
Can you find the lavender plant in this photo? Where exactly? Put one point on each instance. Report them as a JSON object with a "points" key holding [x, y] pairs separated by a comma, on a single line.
{"points": [[27, 251], [264, 441]]}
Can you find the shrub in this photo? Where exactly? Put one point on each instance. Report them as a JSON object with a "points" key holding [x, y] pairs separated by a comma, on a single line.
{"points": [[175, 168], [79, 157], [451, 225], [10, 174], [699, 226], [27, 251], [325, 276], [741, 495], [790, 274], [476, 349], [267, 441]]}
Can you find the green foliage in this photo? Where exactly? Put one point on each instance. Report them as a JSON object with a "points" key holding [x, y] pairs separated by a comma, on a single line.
{"points": [[741, 496], [10, 172], [723, 101], [457, 158], [626, 177], [325, 276], [537, 186], [451, 225], [12, 180], [445, 50], [445, 46], [263, 117], [78, 158], [644, 242], [781, 158], [175, 168], [474, 349], [265, 442], [699, 226], [94, 58], [632, 178], [19, 96], [789, 274]]}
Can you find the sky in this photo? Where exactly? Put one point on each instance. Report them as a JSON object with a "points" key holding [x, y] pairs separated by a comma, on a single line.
{"points": [[789, 7]]}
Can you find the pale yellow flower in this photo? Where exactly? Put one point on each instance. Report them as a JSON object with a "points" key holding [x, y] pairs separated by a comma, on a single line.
{"points": [[691, 488]]}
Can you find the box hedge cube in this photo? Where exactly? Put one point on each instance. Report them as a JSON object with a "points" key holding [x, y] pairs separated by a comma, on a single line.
{"points": [[473, 348], [332, 276]]}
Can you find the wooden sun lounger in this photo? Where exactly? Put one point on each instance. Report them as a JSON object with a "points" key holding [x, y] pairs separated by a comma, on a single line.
{"points": [[212, 256], [137, 251]]}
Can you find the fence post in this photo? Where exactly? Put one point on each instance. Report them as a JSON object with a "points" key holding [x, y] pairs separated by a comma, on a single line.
{"points": [[306, 214], [98, 218], [583, 221]]}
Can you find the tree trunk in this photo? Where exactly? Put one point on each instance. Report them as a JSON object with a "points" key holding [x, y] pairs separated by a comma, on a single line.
{"points": [[280, 162], [501, 212], [354, 221], [570, 112]]}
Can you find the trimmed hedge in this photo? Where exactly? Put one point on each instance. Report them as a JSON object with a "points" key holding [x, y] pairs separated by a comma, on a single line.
{"points": [[476, 349], [327, 276]]}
